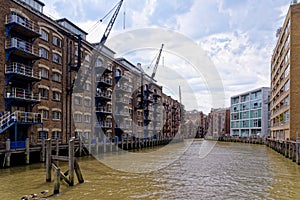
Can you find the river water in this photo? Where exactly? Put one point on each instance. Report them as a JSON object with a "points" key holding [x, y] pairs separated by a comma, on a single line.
{"points": [[228, 171]]}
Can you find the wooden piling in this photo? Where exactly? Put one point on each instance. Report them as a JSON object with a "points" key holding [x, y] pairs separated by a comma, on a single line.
{"points": [[42, 158], [27, 152], [56, 180], [78, 172], [90, 144], [48, 160], [117, 143], [57, 146], [7, 153], [104, 146], [97, 145], [110, 146], [71, 162]]}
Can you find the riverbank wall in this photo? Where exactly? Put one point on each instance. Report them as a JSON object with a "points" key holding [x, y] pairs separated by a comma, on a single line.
{"points": [[11, 156], [288, 148]]}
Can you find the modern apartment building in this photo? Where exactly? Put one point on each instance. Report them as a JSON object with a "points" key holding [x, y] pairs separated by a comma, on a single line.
{"points": [[285, 82], [249, 113], [55, 84]]}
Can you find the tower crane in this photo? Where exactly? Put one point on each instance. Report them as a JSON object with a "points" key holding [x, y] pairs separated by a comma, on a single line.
{"points": [[100, 45], [157, 62]]}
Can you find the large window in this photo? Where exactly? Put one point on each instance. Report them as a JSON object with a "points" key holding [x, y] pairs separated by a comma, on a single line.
{"points": [[56, 58], [56, 77], [44, 53], [87, 118], [78, 117], [44, 35], [56, 96], [44, 93], [44, 73], [77, 100], [56, 41], [56, 115], [55, 135], [45, 113], [87, 102], [42, 134]]}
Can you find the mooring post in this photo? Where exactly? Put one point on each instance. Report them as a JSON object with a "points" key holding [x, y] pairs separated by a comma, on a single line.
{"points": [[78, 172], [7, 153], [48, 160], [90, 143], [117, 143], [57, 146], [43, 151], [56, 180], [104, 145], [111, 145], [122, 144], [27, 152], [97, 145], [71, 162], [80, 146], [297, 149]]}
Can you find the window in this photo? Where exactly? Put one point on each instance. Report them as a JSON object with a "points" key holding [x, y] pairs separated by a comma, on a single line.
{"points": [[56, 96], [287, 71], [87, 57], [118, 73], [56, 115], [42, 134], [56, 77], [55, 135], [287, 85], [56, 41], [44, 35], [87, 102], [44, 93], [44, 73], [77, 100], [87, 86], [44, 53], [56, 58], [77, 117], [99, 63], [87, 118], [45, 113]]}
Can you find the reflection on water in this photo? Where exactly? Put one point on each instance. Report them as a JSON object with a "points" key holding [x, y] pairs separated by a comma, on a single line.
{"points": [[230, 171]]}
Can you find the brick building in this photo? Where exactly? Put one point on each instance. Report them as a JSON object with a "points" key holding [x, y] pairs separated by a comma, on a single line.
{"points": [[285, 84], [57, 85]]}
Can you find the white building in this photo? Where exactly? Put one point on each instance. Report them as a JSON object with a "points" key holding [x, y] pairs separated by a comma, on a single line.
{"points": [[249, 113]]}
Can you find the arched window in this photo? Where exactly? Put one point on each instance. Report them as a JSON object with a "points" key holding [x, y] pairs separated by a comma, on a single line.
{"points": [[118, 72]]}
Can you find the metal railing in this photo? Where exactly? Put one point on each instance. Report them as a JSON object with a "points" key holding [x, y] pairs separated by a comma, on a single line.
{"points": [[19, 93], [22, 69], [11, 18], [22, 45]]}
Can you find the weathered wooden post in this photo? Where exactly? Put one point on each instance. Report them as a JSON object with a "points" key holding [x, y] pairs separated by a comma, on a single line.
{"points": [[42, 158], [97, 145], [297, 149], [80, 146], [56, 180], [78, 172], [122, 144], [117, 143], [7, 153], [104, 145], [71, 162], [110, 145], [27, 151], [57, 146], [90, 144], [48, 160]]}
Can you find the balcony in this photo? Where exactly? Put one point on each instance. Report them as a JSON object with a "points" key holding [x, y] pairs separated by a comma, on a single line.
{"points": [[104, 82], [21, 71], [103, 95], [122, 100], [21, 48], [123, 89], [22, 26], [22, 95], [103, 110], [104, 124], [122, 114]]}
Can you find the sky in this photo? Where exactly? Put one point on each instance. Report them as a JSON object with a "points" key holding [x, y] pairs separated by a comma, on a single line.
{"points": [[235, 40]]}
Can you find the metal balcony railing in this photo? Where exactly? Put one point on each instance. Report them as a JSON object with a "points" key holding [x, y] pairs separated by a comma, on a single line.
{"points": [[19, 93], [21, 69], [22, 21], [21, 45]]}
